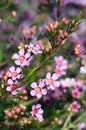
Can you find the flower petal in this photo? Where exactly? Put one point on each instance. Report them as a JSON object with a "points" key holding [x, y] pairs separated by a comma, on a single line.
{"points": [[32, 92], [34, 85]]}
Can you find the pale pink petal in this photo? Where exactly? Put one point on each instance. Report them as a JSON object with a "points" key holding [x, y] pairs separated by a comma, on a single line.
{"points": [[17, 62], [32, 92], [19, 76], [33, 107], [21, 51], [10, 81], [31, 58], [14, 92], [40, 111], [8, 89], [27, 55], [25, 63], [14, 78], [48, 75], [18, 70], [63, 67], [57, 83], [15, 56], [9, 74], [39, 95], [44, 91], [41, 84], [65, 62], [54, 76], [52, 87], [38, 105], [34, 85], [12, 69]]}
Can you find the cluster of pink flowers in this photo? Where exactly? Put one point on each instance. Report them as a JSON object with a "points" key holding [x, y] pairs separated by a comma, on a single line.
{"points": [[44, 85], [61, 65], [51, 82], [22, 59], [13, 75], [76, 89]]}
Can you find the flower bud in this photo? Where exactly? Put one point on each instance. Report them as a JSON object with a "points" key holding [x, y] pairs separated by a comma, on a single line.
{"points": [[13, 13]]}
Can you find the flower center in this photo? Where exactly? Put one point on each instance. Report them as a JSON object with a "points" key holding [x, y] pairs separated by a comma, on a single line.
{"points": [[37, 90], [35, 110], [74, 106], [14, 74], [34, 49], [75, 94], [13, 86], [21, 58], [58, 71], [51, 81]]}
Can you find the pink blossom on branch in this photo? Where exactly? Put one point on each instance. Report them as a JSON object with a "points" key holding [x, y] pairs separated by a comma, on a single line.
{"points": [[37, 112], [75, 106], [51, 81], [34, 48], [61, 62], [76, 93], [61, 65], [38, 89], [22, 58], [12, 86], [14, 73]]}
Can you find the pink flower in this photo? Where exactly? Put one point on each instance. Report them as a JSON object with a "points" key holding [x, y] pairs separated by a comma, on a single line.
{"points": [[22, 58], [75, 106], [38, 89], [51, 81], [75, 93], [34, 48], [60, 71], [12, 86], [61, 65], [14, 73], [78, 85], [37, 112], [60, 61]]}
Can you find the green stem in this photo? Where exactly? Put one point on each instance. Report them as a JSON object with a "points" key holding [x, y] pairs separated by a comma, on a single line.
{"points": [[67, 121]]}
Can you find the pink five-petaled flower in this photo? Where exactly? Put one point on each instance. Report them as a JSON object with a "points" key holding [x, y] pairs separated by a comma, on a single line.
{"points": [[75, 106], [37, 112], [60, 71], [14, 73], [51, 81], [38, 89], [22, 59], [60, 61], [75, 93], [12, 86], [34, 48]]}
